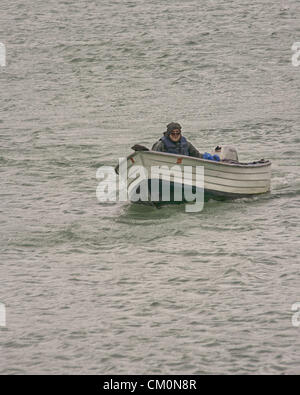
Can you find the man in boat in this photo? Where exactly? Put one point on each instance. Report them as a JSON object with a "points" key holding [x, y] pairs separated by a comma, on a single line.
{"points": [[174, 143]]}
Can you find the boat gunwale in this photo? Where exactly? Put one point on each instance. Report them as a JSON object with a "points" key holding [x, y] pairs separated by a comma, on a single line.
{"points": [[221, 163], [222, 171]]}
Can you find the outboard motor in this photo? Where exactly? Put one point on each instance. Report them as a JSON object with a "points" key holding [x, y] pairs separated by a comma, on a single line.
{"points": [[227, 152]]}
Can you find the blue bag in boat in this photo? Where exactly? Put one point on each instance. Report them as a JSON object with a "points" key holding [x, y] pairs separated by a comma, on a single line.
{"points": [[208, 156]]}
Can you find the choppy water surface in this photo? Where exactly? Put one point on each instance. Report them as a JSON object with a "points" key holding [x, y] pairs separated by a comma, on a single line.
{"points": [[94, 288]]}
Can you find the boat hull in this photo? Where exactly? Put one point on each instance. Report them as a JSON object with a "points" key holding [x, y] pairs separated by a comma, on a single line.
{"points": [[222, 180]]}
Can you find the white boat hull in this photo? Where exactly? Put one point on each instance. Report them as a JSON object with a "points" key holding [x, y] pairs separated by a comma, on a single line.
{"points": [[221, 179]]}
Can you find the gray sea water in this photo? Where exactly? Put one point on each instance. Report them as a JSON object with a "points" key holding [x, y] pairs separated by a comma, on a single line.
{"points": [[94, 288]]}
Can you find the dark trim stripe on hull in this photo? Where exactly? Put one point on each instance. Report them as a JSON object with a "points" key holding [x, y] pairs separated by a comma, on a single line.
{"points": [[208, 194]]}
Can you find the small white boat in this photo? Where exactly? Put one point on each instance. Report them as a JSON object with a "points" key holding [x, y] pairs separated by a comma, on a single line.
{"points": [[222, 179]]}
